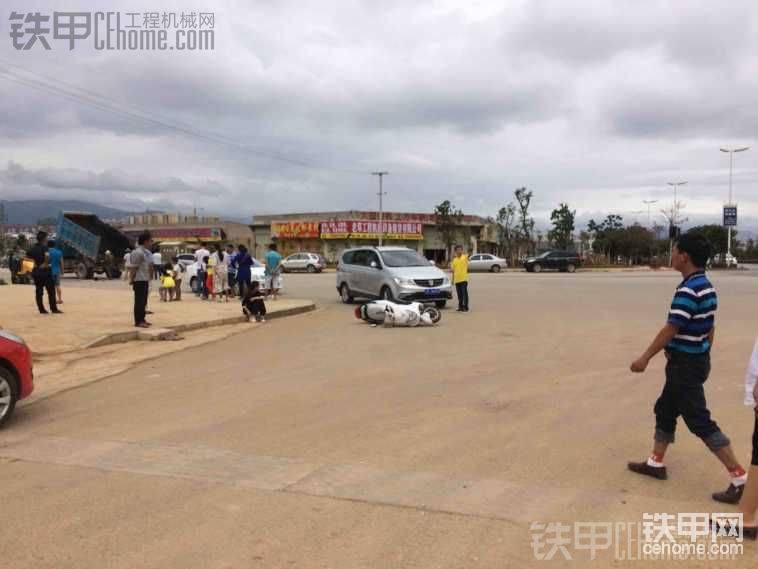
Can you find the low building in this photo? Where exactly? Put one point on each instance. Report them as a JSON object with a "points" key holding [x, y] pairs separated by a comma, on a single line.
{"points": [[330, 233], [181, 234]]}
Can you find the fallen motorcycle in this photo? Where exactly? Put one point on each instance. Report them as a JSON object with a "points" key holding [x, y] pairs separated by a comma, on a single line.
{"points": [[392, 314]]}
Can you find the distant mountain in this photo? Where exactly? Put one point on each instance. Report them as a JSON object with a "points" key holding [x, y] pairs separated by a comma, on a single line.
{"points": [[30, 211]]}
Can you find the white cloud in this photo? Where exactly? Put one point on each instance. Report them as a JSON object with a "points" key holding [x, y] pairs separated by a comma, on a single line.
{"points": [[594, 103]]}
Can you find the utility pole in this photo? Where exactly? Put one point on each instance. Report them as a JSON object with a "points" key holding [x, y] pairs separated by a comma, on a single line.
{"points": [[674, 219], [648, 203], [381, 205], [2, 227], [731, 152]]}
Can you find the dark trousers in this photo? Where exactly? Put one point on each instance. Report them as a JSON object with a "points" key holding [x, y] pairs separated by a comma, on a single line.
{"points": [[43, 281], [461, 290], [243, 286], [256, 307], [201, 284], [140, 300], [754, 462], [683, 394]]}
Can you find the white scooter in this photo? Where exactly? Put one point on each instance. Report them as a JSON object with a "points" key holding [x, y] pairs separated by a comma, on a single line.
{"points": [[401, 315]]}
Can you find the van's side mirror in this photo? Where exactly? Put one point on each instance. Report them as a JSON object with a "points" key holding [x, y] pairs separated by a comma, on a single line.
{"points": [[432, 263], [374, 265]]}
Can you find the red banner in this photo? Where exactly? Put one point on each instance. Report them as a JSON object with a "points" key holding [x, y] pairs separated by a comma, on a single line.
{"points": [[295, 230], [393, 229]]}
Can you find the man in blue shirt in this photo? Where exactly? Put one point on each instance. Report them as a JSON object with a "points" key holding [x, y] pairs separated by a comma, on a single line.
{"points": [[56, 268], [687, 339], [273, 271]]}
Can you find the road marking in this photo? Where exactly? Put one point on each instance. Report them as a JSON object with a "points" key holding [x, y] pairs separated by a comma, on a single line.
{"points": [[428, 491]]}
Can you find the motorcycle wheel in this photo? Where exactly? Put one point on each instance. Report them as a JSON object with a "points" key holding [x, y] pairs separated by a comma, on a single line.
{"points": [[433, 313]]}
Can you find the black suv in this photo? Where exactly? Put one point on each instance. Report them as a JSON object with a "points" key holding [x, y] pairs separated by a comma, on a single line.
{"points": [[565, 261]]}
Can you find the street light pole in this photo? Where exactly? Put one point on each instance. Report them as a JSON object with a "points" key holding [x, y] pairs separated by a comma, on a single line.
{"points": [[674, 219], [381, 205], [731, 152], [648, 203]]}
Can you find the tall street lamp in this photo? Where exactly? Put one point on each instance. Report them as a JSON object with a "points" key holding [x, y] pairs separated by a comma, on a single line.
{"points": [[381, 205], [674, 219], [731, 152], [648, 203]]}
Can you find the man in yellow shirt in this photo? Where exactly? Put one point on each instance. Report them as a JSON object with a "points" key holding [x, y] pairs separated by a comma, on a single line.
{"points": [[460, 278]]}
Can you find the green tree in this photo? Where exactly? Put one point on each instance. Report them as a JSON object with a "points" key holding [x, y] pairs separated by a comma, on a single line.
{"points": [[635, 243], [525, 221], [506, 221], [563, 226], [606, 235], [448, 218], [716, 235]]}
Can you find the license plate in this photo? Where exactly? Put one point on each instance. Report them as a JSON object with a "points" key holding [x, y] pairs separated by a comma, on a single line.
{"points": [[432, 292]]}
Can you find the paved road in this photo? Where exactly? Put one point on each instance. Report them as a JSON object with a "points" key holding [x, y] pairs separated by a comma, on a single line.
{"points": [[322, 442]]}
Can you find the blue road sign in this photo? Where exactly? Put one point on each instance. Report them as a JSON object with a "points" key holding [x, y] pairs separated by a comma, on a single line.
{"points": [[730, 215]]}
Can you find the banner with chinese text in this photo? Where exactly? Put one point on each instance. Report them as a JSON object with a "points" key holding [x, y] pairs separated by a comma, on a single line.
{"points": [[397, 230], [295, 230]]}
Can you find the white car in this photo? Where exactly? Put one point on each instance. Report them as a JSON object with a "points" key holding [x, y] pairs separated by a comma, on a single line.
{"points": [[186, 259], [257, 273], [310, 262], [728, 260], [486, 262]]}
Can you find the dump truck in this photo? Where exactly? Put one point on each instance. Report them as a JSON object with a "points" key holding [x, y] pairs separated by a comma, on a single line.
{"points": [[90, 246]]}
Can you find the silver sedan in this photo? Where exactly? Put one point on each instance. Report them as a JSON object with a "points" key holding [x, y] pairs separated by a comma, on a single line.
{"points": [[486, 262]]}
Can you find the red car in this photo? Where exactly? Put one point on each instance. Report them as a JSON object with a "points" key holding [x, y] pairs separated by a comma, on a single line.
{"points": [[16, 377]]}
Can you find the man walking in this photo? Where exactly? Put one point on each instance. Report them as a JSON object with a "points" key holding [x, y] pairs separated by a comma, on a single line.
{"points": [[157, 263], [42, 275], [687, 339], [140, 273], [273, 271], [460, 277], [56, 268], [200, 255]]}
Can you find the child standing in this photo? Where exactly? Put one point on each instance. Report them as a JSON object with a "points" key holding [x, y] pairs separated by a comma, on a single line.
{"points": [[460, 278], [178, 269], [208, 273], [252, 303], [167, 284]]}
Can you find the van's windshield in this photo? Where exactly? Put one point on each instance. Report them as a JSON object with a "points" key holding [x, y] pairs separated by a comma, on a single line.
{"points": [[404, 259]]}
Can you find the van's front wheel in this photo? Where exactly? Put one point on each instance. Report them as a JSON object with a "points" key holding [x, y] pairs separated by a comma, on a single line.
{"points": [[386, 294], [345, 294]]}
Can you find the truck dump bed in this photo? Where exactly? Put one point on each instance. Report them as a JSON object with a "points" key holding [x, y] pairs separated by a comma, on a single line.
{"points": [[90, 236]]}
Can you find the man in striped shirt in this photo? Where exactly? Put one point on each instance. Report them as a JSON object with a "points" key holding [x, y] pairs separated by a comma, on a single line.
{"points": [[687, 339]]}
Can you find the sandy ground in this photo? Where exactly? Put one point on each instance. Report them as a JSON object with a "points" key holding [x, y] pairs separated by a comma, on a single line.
{"points": [[318, 441], [95, 309]]}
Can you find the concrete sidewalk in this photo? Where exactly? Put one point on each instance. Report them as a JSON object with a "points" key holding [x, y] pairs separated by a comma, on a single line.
{"points": [[99, 317]]}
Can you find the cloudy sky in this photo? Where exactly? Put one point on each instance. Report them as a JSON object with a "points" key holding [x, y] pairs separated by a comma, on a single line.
{"points": [[597, 104]]}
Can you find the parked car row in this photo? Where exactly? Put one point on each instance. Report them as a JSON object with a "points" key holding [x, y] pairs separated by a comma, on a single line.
{"points": [[402, 274]]}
